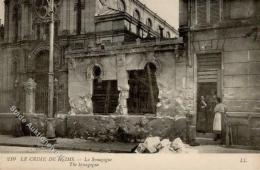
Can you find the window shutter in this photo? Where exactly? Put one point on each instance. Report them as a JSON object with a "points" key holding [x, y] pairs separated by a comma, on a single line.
{"points": [[201, 9], [214, 11]]}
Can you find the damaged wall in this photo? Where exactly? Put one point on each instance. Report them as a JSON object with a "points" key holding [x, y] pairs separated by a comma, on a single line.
{"points": [[171, 76]]}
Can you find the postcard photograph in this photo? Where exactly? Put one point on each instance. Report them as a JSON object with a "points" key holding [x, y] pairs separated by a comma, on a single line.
{"points": [[136, 80]]}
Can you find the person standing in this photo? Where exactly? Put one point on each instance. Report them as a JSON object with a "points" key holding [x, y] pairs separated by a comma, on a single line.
{"points": [[218, 123], [203, 110]]}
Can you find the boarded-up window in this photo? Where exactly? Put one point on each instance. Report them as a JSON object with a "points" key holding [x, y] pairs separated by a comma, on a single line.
{"points": [[143, 92], [105, 96], [208, 67]]}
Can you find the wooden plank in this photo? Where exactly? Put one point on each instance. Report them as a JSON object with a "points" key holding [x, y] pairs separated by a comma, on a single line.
{"points": [[208, 73], [207, 81]]}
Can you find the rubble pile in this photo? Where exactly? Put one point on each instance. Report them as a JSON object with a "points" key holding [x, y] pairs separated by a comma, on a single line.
{"points": [[155, 145]]}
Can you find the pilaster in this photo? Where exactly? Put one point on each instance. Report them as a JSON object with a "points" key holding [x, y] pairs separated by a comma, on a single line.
{"points": [[29, 87]]}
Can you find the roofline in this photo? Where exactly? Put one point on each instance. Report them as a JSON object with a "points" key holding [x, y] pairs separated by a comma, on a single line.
{"points": [[155, 15]]}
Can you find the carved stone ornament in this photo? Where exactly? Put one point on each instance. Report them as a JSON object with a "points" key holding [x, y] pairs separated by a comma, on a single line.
{"points": [[42, 9], [29, 86]]}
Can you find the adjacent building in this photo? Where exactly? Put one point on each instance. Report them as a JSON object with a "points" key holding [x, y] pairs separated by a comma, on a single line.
{"points": [[223, 44]]}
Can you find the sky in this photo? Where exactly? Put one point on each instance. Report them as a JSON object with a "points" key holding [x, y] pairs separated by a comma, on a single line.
{"points": [[167, 9]]}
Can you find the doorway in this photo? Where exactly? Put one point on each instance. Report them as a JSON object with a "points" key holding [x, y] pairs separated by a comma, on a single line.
{"points": [[209, 87]]}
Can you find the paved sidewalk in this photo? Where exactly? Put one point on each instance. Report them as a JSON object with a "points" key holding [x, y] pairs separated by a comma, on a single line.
{"points": [[112, 147], [68, 144]]}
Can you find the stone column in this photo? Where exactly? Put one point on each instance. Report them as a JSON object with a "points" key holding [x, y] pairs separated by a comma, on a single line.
{"points": [[123, 86], [29, 87], [122, 103]]}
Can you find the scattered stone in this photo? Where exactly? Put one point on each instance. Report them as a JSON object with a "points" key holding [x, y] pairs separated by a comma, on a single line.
{"points": [[177, 145], [152, 144], [166, 149], [165, 143], [141, 148]]}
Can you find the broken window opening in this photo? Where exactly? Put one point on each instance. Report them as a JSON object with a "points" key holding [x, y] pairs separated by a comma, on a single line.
{"points": [[105, 94], [143, 92]]}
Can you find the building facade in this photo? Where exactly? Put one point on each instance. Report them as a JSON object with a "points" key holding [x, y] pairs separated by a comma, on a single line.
{"points": [[120, 70], [223, 45]]}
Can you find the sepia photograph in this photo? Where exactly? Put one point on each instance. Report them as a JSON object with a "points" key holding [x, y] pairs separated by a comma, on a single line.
{"points": [[135, 80]]}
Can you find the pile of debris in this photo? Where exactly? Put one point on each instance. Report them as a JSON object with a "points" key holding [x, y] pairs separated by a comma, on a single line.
{"points": [[155, 145]]}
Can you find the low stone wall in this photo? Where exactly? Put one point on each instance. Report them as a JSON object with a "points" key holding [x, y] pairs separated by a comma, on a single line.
{"points": [[7, 123], [35, 121], [125, 128]]}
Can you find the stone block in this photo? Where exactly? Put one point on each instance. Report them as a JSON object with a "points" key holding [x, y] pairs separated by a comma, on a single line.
{"points": [[254, 55], [235, 93], [254, 80], [236, 68], [236, 57], [140, 148], [152, 144], [165, 143], [236, 81], [255, 141], [37, 121], [254, 93], [240, 44], [255, 123], [178, 145], [61, 125], [7, 123], [241, 105], [254, 68], [124, 128]]}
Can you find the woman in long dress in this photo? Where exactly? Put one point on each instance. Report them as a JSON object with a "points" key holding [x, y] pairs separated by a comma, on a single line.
{"points": [[218, 123]]}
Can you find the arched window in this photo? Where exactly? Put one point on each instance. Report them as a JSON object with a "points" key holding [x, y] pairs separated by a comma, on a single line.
{"points": [[168, 34], [161, 29], [149, 23], [136, 15], [121, 6]]}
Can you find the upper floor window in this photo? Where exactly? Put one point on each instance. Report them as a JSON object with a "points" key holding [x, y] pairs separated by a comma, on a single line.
{"points": [[121, 6], [79, 5], [17, 20], [137, 15], [149, 23], [207, 11], [161, 30], [168, 34], [242, 8]]}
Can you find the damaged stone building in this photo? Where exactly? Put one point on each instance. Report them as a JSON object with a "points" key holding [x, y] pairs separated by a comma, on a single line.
{"points": [[223, 44], [120, 70], [123, 73]]}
